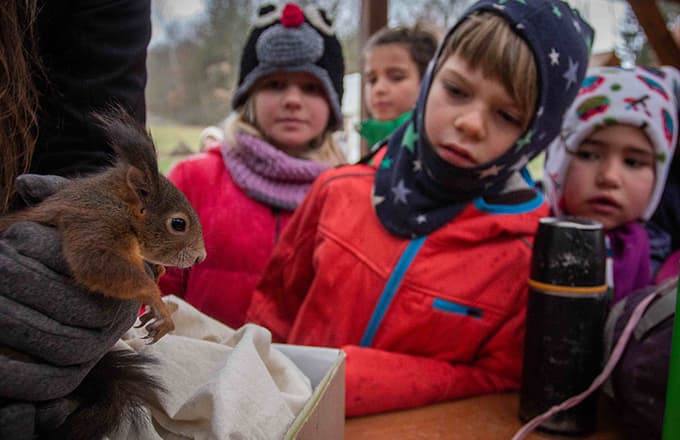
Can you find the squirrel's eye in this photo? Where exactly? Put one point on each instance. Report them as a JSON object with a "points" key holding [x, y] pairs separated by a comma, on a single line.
{"points": [[178, 224]]}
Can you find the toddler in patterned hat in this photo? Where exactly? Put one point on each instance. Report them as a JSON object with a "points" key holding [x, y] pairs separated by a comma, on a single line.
{"points": [[416, 262], [276, 143], [611, 161]]}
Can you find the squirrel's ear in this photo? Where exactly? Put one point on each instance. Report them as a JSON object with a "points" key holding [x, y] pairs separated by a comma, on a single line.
{"points": [[139, 185]]}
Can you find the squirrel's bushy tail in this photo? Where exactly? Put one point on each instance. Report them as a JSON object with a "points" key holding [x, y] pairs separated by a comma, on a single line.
{"points": [[117, 388]]}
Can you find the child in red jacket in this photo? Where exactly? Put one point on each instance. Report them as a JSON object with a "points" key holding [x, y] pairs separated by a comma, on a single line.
{"points": [[279, 139], [416, 263]]}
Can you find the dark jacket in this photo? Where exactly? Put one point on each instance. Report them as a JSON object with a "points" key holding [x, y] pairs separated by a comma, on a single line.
{"points": [[94, 53]]}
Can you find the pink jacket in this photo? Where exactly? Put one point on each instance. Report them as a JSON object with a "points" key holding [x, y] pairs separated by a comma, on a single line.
{"points": [[239, 234]]}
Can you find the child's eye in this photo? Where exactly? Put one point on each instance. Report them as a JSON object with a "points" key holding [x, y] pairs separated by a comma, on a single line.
{"points": [[512, 119], [312, 88], [275, 84], [371, 79], [454, 91], [396, 77], [636, 163], [586, 155]]}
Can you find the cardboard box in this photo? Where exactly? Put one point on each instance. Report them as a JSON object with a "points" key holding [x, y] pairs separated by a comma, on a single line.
{"points": [[323, 417]]}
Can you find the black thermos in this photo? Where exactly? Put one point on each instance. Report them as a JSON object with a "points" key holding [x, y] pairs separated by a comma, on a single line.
{"points": [[565, 318]]}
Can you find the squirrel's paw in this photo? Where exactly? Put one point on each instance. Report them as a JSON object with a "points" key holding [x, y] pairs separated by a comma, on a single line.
{"points": [[157, 271], [157, 324]]}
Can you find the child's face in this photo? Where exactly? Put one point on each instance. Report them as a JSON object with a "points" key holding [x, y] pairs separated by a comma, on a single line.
{"points": [[470, 119], [392, 81], [611, 176], [291, 110]]}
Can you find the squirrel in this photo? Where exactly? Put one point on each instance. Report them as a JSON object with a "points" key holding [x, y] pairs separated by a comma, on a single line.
{"points": [[114, 221]]}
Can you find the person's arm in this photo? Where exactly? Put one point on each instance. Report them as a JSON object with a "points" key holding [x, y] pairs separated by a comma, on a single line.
{"points": [[60, 329], [378, 381], [94, 55], [290, 271], [51, 331]]}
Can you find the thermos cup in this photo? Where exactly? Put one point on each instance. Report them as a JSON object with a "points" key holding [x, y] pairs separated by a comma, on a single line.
{"points": [[565, 318]]}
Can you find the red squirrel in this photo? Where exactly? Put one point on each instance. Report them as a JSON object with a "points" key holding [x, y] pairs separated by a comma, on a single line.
{"points": [[114, 221]]}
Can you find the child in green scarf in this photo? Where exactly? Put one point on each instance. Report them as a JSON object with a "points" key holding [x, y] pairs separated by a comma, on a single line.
{"points": [[395, 60]]}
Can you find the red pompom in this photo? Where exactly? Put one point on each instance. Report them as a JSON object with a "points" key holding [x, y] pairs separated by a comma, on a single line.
{"points": [[292, 16]]}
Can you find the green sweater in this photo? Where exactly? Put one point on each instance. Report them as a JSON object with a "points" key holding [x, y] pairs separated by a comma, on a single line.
{"points": [[374, 131]]}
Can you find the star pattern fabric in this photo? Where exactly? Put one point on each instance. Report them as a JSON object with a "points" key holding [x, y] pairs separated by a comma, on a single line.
{"points": [[415, 191], [554, 57], [401, 192], [571, 74]]}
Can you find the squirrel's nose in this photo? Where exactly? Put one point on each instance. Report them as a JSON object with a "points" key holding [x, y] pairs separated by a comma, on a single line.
{"points": [[200, 258]]}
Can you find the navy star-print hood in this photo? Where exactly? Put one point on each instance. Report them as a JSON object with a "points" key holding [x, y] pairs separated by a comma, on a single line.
{"points": [[416, 192]]}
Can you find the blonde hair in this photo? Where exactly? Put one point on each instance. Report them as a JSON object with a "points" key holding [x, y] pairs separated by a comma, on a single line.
{"points": [[321, 149], [486, 42]]}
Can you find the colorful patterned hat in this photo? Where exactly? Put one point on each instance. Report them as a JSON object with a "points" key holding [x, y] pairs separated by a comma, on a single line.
{"points": [[644, 97]]}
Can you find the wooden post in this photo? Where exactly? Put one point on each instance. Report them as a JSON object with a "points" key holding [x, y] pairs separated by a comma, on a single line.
{"points": [[373, 17], [658, 35]]}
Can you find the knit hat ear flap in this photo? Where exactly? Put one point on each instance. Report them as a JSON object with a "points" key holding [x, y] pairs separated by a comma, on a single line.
{"points": [[288, 39]]}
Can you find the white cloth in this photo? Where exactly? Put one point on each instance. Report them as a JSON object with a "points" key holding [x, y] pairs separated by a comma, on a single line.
{"points": [[222, 383]]}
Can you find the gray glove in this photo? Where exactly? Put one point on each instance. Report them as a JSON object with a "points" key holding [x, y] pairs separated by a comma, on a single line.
{"points": [[63, 328], [51, 331], [34, 188]]}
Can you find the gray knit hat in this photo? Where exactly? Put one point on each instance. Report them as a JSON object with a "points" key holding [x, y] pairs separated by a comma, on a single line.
{"points": [[288, 39]]}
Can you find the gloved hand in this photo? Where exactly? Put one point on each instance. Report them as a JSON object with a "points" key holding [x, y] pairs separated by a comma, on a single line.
{"points": [[45, 316], [34, 188], [51, 331]]}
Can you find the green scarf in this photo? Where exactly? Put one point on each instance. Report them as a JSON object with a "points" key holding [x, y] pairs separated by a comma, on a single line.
{"points": [[374, 131]]}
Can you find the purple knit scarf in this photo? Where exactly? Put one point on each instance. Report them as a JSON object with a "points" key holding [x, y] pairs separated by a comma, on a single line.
{"points": [[632, 266], [269, 175]]}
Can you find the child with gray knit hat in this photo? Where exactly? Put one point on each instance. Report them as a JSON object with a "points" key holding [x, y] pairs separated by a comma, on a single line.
{"points": [[277, 141]]}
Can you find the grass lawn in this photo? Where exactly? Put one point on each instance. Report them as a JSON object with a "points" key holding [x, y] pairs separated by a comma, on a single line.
{"points": [[536, 167], [168, 137]]}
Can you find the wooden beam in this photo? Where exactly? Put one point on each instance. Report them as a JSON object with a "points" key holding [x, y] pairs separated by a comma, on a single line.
{"points": [[658, 35], [373, 18]]}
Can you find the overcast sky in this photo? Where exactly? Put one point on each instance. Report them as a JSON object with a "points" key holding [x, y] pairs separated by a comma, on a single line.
{"points": [[604, 15]]}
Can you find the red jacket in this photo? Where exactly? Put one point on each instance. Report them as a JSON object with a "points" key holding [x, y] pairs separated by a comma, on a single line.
{"points": [[420, 320], [239, 235]]}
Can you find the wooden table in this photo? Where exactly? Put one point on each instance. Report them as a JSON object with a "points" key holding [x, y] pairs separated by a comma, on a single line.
{"points": [[489, 417]]}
